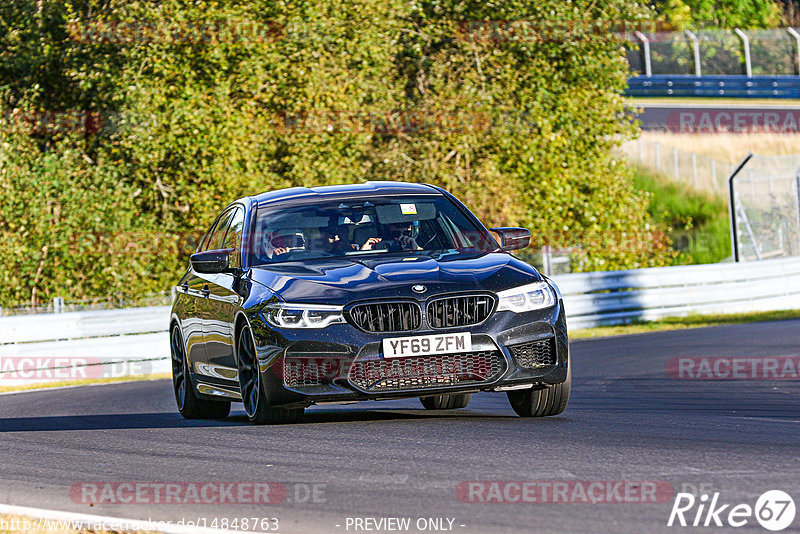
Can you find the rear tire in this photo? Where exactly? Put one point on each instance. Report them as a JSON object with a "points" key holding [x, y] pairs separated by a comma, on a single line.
{"points": [[446, 402], [251, 384], [551, 400], [189, 404]]}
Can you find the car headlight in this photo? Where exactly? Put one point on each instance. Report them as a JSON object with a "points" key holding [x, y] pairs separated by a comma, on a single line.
{"points": [[288, 315], [526, 298]]}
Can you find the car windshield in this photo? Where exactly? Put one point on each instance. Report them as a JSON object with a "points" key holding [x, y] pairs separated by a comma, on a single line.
{"points": [[358, 227]]}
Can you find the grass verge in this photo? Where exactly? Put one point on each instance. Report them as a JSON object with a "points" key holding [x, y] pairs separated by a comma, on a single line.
{"points": [[88, 381], [678, 323], [697, 221]]}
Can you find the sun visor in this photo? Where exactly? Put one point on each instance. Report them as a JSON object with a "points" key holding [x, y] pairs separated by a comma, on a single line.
{"points": [[405, 212], [298, 220]]}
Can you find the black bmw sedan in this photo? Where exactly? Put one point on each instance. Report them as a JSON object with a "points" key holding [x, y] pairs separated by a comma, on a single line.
{"points": [[373, 291]]}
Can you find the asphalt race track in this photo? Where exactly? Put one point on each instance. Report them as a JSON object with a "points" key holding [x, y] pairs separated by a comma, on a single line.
{"points": [[628, 420], [707, 117]]}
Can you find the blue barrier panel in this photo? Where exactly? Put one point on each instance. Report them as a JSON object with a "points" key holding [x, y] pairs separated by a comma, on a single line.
{"points": [[730, 86]]}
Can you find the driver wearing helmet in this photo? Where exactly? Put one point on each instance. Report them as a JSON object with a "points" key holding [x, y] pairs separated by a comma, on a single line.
{"points": [[280, 242]]}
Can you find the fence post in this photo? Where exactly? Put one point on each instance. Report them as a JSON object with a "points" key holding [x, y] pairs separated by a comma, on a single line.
{"points": [[714, 172], [796, 36], [732, 207], [694, 169], [748, 68], [58, 304], [658, 156], [696, 48], [648, 71], [675, 162]]}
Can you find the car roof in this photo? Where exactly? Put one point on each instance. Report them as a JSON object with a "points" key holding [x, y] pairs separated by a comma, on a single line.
{"points": [[367, 189]]}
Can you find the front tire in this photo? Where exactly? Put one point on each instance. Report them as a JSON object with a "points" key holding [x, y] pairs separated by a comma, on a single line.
{"points": [[550, 400], [251, 384], [446, 402], [189, 404]]}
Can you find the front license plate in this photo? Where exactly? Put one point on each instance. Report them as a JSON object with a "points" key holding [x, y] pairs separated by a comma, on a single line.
{"points": [[398, 347]]}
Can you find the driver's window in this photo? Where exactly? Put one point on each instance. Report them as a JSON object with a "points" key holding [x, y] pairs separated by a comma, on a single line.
{"points": [[233, 239], [216, 240]]}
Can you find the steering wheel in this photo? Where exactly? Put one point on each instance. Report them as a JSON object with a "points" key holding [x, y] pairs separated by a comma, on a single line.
{"points": [[383, 244]]}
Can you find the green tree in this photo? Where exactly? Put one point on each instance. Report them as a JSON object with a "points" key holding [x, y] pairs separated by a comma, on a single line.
{"points": [[682, 14], [513, 106]]}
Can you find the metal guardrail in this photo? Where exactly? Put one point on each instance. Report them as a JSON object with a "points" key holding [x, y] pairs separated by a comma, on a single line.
{"points": [[87, 344], [615, 297], [728, 86], [112, 343], [84, 324]]}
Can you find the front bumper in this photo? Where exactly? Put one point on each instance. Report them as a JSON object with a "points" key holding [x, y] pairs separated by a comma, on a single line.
{"points": [[342, 364]]}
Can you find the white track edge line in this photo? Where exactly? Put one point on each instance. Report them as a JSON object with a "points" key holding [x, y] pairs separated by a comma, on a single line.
{"points": [[70, 386]]}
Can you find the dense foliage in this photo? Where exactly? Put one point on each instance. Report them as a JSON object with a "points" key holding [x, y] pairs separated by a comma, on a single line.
{"points": [[127, 125], [681, 14]]}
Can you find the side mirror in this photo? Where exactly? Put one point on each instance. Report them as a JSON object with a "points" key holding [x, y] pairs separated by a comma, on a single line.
{"points": [[513, 238], [211, 261]]}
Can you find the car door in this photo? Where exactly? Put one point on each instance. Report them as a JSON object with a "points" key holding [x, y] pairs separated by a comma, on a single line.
{"points": [[222, 303], [192, 287]]}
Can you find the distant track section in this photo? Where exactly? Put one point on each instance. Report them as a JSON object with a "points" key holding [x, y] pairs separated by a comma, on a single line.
{"points": [[692, 117]]}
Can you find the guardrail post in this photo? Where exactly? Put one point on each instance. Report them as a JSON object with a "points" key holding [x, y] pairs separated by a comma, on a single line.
{"points": [[547, 260], [648, 71], [796, 36], [748, 68], [58, 304], [694, 169], [696, 48], [732, 207], [797, 188]]}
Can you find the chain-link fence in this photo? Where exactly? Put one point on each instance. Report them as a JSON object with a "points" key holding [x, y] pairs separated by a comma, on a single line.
{"points": [[697, 170], [766, 208], [61, 305], [715, 52]]}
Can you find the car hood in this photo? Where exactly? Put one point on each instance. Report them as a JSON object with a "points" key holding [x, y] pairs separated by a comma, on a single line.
{"points": [[344, 280]]}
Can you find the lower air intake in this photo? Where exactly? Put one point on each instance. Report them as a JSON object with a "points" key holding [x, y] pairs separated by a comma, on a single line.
{"points": [[534, 354], [427, 372]]}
